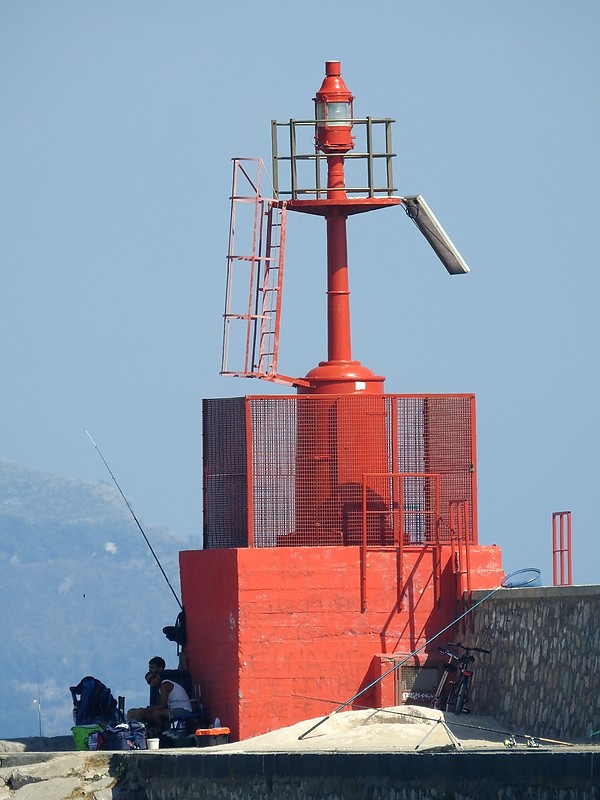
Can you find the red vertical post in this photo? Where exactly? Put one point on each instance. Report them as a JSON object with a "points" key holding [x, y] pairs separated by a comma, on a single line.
{"points": [[363, 550], [437, 563], [467, 528], [474, 532], [339, 347], [561, 548], [249, 473], [400, 543]]}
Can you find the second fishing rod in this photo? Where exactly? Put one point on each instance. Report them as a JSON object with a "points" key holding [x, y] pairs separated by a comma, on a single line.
{"points": [[136, 520]]}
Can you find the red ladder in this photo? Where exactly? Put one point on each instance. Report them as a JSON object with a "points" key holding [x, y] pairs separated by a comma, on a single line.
{"points": [[251, 320]]}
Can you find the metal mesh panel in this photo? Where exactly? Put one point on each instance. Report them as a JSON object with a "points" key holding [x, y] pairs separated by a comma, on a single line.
{"points": [[410, 426], [411, 508], [225, 473], [338, 440], [315, 458], [273, 468], [450, 452]]}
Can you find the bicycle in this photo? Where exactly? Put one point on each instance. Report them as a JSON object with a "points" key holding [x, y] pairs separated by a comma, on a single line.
{"points": [[457, 697]]}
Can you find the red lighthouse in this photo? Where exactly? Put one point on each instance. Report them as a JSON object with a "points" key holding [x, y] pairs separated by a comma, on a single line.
{"points": [[340, 522]]}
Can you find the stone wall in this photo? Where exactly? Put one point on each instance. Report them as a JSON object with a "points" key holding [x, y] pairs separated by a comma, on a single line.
{"points": [[564, 774], [547, 774], [543, 674]]}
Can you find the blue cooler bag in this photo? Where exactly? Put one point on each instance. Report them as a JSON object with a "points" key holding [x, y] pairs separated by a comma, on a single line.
{"points": [[125, 736]]}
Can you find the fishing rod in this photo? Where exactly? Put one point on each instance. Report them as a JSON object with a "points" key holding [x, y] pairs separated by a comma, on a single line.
{"points": [[504, 584], [449, 722], [137, 522]]}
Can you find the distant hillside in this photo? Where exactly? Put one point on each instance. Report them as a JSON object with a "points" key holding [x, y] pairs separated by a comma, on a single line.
{"points": [[80, 594]]}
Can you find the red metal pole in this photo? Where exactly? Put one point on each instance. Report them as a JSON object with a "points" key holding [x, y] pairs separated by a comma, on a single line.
{"points": [[400, 545], [561, 549], [363, 550], [554, 552], [569, 572], [249, 473], [339, 346], [338, 288], [339, 374]]}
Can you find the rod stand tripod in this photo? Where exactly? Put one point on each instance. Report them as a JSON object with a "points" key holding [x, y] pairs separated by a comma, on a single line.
{"points": [[453, 740]]}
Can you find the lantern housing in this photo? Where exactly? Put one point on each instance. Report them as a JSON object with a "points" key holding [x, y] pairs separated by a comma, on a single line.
{"points": [[333, 112]]}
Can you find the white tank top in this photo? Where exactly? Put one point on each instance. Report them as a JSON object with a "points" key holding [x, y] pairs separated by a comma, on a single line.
{"points": [[178, 697]]}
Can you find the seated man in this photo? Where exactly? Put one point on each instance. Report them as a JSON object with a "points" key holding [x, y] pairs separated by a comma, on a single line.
{"points": [[155, 664], [172, 701]]}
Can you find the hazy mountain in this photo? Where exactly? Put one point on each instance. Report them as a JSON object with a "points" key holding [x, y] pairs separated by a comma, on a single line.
{"points": [[80, 593]]}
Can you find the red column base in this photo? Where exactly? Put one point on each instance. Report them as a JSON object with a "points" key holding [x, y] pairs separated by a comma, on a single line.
{"points": [[342, 377]]}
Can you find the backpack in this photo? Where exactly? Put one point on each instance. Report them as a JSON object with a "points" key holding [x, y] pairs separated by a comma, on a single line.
{"points": [[93, 703]]}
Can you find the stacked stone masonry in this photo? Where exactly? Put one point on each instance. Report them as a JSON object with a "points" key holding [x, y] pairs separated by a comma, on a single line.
{"points": [[543, 775], [543, 674]]}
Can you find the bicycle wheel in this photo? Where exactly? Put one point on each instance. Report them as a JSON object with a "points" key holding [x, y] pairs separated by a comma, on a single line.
{"points": [[461, 698], [452, 696]]}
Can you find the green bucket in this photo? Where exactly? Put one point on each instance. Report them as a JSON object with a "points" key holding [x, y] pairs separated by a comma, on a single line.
{"points": [[81, 733]]}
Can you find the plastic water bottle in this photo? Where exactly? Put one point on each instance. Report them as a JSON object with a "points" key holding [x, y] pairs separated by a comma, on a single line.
{"points": [[217, 723]]}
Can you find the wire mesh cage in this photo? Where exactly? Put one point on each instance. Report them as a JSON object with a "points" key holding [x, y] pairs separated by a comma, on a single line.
{"points": [[331, 470]]}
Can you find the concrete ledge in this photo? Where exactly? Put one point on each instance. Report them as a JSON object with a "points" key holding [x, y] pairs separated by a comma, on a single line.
{"points": [[541, 592]]}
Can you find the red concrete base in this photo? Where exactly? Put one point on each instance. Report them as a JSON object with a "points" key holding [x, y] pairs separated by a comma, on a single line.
{"points": [[277, 635]]}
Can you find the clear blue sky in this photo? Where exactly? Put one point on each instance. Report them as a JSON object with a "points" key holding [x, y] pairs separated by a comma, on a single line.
{"points": [[119, 122]]}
